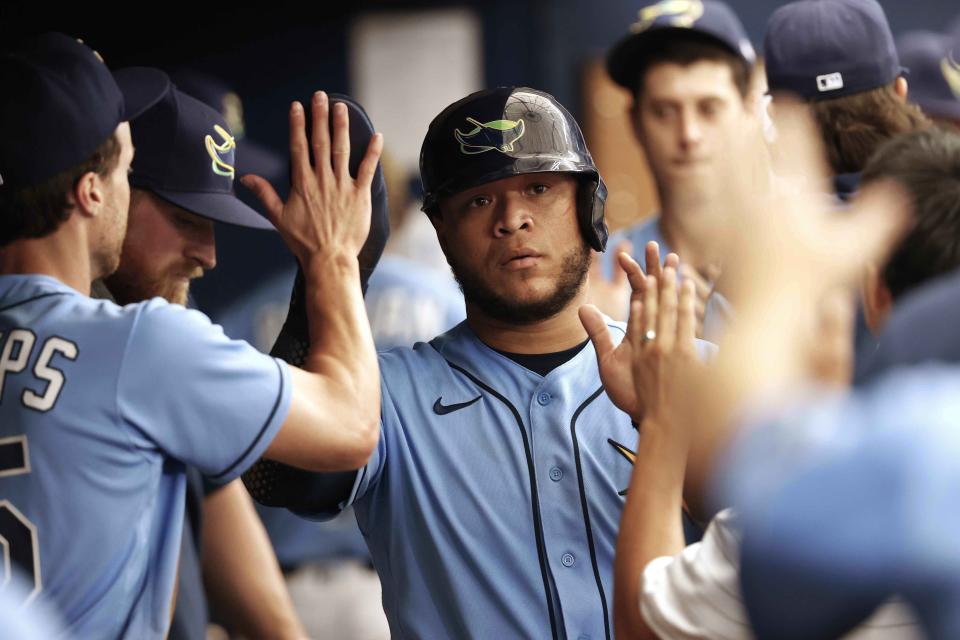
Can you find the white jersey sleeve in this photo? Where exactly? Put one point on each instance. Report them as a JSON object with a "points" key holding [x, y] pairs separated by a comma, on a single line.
{"points": [[696, 593], [202, 398]]}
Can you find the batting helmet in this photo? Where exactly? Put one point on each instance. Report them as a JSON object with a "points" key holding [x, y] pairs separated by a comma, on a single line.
{"points": [[510, 131]]}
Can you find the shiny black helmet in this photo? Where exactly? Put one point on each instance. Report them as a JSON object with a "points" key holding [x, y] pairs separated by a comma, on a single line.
{"points": [[509, 131]]}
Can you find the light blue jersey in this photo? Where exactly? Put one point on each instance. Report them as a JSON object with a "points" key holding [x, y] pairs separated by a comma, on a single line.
{"points": [[100, 408], [492, 502], [718, 311], [847, 500]]}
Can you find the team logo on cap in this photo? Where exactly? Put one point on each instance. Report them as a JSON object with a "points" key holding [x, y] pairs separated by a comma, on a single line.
{"points": [[951, 73], [215, 150], [678, 13], [496, 135]]}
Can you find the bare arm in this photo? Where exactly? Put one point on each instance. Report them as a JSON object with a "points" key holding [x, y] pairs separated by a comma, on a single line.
{"points": [[240, 571], [334, 417], [650, 526]]}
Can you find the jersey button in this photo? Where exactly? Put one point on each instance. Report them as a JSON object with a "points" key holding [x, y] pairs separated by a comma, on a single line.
{"points": [[556, 473], [567, 559], [544, 398]]}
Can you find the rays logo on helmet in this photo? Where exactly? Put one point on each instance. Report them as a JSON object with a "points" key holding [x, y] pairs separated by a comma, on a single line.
{"points": [[951, 73], [682, 13], [215, 150], [499, 135]]}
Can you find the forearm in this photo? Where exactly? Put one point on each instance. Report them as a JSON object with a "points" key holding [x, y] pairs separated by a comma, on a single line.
{"points": [[341, 343], [240, 570], [651, 524]]}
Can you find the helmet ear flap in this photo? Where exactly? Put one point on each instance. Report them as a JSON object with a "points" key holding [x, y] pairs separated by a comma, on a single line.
{"points": [[591, 197]]}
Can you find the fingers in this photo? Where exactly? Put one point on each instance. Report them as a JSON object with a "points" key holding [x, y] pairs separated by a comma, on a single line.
{"points": [[667, 316], [652, 255], [672, 260], [879, 216], [341, 142], [650, 305], [686, 318], [368, 166], [635, 329], [319, 134], [265, 194], [596, 327], [632, 271], [299, 157], [800, 155]]}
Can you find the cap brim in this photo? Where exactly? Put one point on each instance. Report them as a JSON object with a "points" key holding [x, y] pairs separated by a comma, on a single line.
{"points": [[221, 207], [142, 87]]}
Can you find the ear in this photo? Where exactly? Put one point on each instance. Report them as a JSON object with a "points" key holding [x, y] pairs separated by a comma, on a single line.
{"points": [[901, 88], [877, 299], [88, 194]]}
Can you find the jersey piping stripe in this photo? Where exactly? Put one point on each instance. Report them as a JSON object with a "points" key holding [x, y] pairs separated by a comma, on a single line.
{"points": [[33, 299], [537, 523], [266, 424], [586, 510]]}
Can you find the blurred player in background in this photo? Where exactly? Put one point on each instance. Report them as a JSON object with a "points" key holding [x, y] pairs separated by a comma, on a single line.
{"points": [[840, 57], [667, 589], [688, 66]]}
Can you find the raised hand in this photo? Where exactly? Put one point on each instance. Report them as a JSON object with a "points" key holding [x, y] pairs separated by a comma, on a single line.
{"points": [[328, 212], [638, 372]]}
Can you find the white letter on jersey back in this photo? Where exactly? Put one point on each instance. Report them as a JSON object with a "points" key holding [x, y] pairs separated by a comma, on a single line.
{"points": [[53, 377], [21, 341]]}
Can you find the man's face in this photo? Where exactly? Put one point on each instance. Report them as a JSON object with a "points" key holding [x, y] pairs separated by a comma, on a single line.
{"points": [[514, 245], [684, 117], [165, 248], [112, 222]]}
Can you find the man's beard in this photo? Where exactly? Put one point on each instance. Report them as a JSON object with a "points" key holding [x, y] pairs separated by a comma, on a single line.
{"points": [[575, 266], [128, 290]]}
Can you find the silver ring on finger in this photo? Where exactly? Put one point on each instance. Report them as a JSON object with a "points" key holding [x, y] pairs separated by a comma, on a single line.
{"points": [[649, 336]]}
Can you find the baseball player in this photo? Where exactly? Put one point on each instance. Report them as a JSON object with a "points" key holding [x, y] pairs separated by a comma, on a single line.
{"points": [[100, 404], [492, 502], [688, 66], [174, 203], [667, 590], [840, 57]]}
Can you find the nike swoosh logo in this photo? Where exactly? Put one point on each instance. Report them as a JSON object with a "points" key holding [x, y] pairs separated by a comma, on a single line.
{"points": [[443, 409]]}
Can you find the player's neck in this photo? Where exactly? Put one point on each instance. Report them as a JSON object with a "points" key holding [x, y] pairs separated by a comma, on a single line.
{"points": [[558, 333], [61, 255], [683, 219]]}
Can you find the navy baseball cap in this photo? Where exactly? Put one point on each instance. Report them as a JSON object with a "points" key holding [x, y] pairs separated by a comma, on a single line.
{"points": [[186, 154], [252, 157], [60, 103], [824, 49], [709, 19], [934, 72]]}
